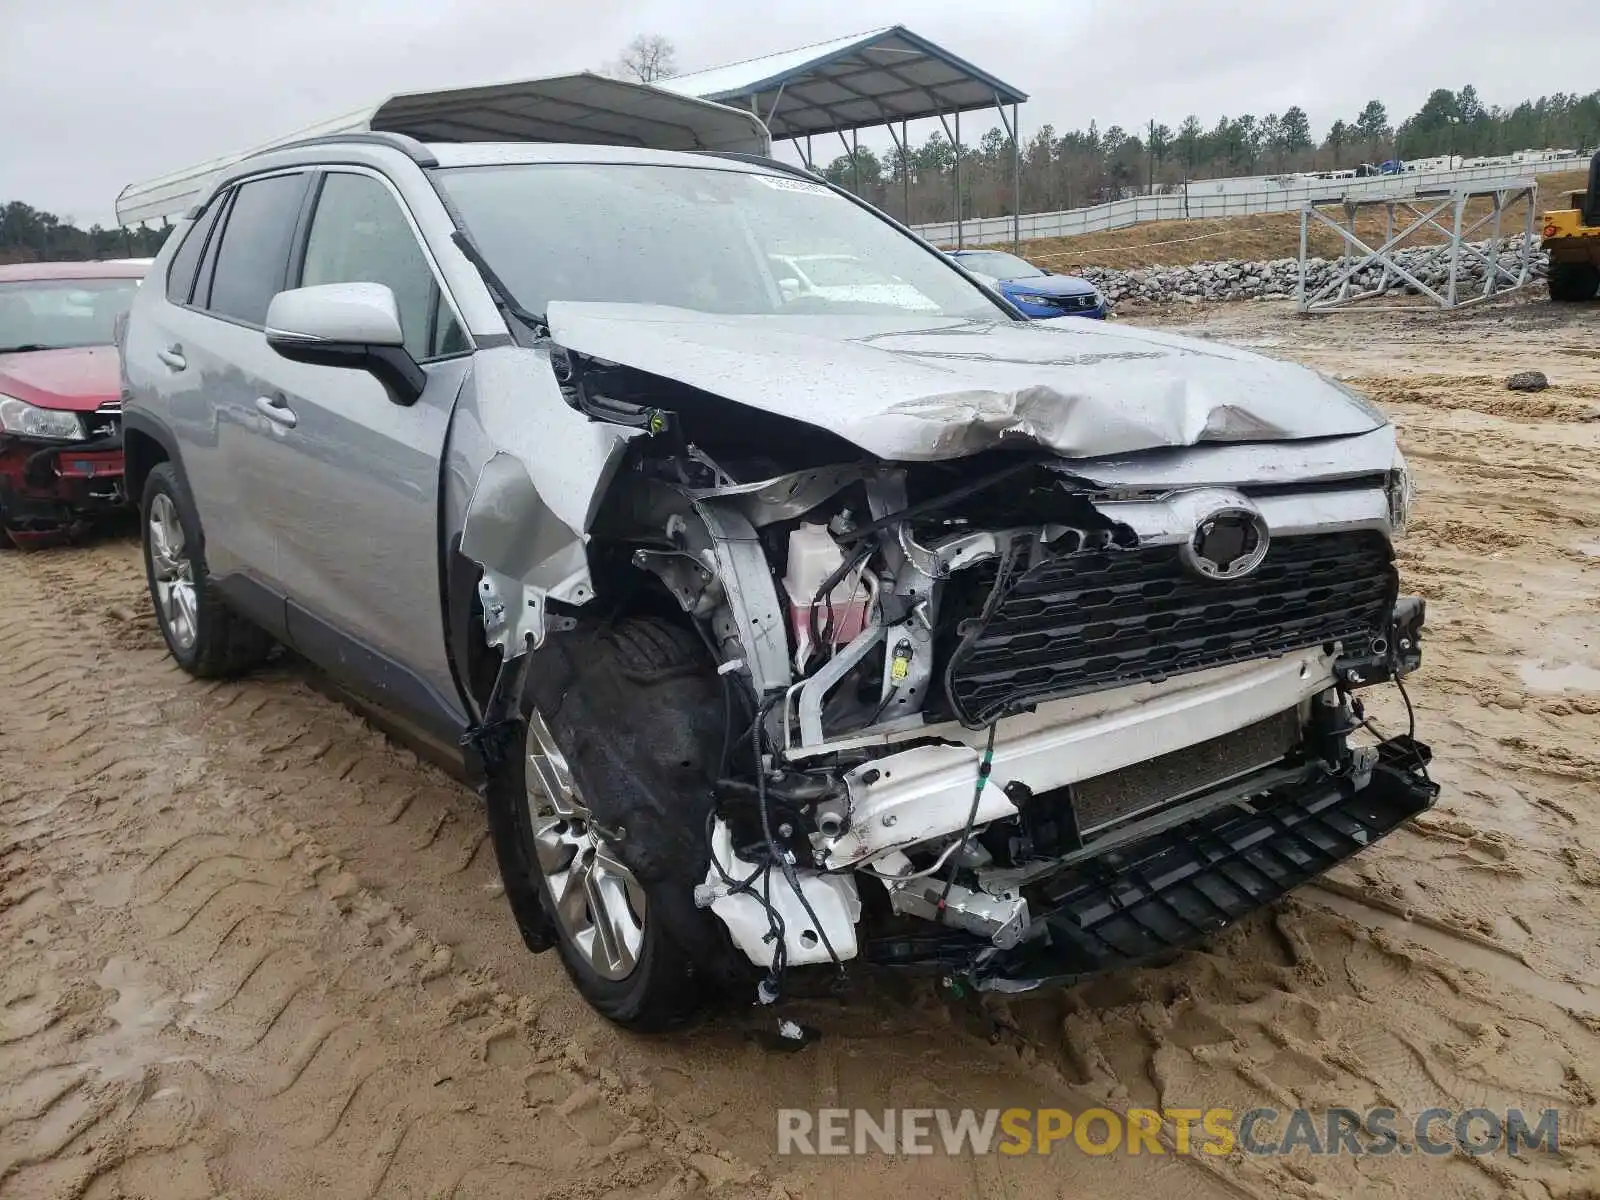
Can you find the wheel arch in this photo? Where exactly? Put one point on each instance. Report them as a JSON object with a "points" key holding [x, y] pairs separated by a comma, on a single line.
{"points": [[146, 441]]}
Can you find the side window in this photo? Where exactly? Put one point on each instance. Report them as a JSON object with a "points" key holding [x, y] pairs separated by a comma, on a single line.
{"points": [[447, 336], [186, 262], [208, 260], [254, 255], [360, 235]]}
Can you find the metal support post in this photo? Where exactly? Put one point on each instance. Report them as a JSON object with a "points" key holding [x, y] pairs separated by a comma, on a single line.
{"points": [[1300, 288], [905, 171], [1455, 249], [960, 232]]}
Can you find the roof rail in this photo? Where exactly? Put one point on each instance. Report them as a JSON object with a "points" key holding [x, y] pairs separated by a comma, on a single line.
{"points": [[765, 160], [406, 144]]}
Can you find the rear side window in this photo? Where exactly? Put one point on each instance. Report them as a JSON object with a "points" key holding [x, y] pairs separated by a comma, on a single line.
{"points": [[181, 273], [254, 255], [360, 235], [208, 258]]}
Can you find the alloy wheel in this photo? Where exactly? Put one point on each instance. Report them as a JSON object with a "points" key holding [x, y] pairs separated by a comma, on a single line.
{"points": [[173, 573], [598, 902]]}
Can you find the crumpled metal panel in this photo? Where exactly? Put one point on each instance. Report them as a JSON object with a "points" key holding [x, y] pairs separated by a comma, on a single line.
{"points": [[527, 513], [922, 389], [527, 555]]}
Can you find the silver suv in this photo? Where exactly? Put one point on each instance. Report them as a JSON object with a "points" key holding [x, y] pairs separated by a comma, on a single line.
{"points": [[782, 627]]}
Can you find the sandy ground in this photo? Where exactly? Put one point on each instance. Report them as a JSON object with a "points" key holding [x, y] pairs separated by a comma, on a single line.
{"points": [[249, 947]]}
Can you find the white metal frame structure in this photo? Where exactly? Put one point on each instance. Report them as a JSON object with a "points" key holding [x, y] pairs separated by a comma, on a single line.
{"points": [[885, 77], [1425, 208], [1193, 203], [583, 108]]}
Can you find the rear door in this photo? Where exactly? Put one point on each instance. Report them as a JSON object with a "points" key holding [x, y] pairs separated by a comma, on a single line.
{"points": [[217, 364], [355, 477]]}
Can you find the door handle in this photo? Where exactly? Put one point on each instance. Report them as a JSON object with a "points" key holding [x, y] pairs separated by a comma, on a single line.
{"points": [[173, 357], [276, 409]]}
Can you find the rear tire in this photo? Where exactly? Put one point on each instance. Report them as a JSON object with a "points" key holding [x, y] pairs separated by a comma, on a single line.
{"points": [[671, 965], [1573, 282], [206, 638]]}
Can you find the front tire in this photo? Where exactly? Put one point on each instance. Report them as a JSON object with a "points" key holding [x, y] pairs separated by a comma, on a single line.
{"points": [[633, 943], [205, 637], [1573, 282]]}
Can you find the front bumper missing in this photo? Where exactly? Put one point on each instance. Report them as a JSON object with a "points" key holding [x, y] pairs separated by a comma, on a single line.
{"points": [[46, 486], [1166, 892], [907, 797]]}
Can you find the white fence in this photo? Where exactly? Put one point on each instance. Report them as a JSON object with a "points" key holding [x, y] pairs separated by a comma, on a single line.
{"points": [[982, 231]]}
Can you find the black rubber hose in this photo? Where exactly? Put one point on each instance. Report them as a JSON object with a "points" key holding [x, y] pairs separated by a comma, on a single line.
{"points": [[985, 765], [746, 887], [858, 559], [938, 502], [758, 733]]}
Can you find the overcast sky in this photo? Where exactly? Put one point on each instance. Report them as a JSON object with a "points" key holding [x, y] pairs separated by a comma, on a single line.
{"points": [[95, 94]]}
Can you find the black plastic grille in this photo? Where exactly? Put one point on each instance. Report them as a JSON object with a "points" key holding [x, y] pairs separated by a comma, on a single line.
{"points": [[1105, 618], [1081, 303], [1173, 889]]}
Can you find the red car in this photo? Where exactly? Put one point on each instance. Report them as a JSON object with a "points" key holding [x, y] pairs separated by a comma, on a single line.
{"points": [[60, 394]]}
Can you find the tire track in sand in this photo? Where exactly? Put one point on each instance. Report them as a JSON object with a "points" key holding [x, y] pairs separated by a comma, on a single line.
{"points": [[199, 998]]}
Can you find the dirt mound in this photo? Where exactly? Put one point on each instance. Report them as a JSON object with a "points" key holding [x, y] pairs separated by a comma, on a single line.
{"points": [[1485, 394], [1243, 239]]}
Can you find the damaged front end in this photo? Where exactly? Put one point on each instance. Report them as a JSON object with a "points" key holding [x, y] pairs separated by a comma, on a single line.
{"points": [[58, 470], [1015, 717]]}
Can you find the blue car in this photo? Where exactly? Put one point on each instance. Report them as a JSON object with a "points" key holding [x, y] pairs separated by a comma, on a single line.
{"points": [[1037, 293]]}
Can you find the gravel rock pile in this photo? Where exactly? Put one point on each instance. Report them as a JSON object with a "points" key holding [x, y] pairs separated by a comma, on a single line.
{"points": [[1211, 281]]}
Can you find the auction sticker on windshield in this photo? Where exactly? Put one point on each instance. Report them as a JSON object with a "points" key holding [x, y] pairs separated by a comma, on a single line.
{"points": [[793, 185]]}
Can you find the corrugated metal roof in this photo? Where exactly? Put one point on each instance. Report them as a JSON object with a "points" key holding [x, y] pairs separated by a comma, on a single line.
{"points": [[582, 108], [867, 79], [736, 79]]}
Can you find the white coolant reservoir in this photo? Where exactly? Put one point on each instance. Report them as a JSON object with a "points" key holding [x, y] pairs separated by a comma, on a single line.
{"points": [[813, 557]]}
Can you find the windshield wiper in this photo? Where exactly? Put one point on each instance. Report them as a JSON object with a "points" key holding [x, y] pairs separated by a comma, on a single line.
{"points": [[535, 322], [24, 348]]}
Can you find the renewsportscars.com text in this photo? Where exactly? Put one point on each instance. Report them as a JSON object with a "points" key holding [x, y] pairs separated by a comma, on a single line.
{"points": [[1210, 1131]]}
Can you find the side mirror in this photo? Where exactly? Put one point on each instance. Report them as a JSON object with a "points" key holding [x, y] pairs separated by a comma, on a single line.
{"points": [[790, 288], [346, 325]]}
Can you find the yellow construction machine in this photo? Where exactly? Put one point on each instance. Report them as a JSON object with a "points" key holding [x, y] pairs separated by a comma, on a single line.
{"points": [[1572, 236]]}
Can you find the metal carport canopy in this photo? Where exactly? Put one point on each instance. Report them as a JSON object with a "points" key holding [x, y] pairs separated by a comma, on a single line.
{"points": [[582, 108], [883, 77]]}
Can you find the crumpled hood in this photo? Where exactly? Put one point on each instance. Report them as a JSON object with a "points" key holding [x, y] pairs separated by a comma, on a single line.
{"points": [[79, 379], [936, 388]]}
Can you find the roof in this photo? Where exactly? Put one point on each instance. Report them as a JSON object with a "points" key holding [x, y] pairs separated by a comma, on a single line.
{"points": [[872, 78], [113, 269], [492, 154], [582, 108]]}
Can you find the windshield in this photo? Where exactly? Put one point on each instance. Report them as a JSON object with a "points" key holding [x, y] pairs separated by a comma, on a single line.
{"points": [[55, 314], [1000, 265], [717, 241], [838, 272]]}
